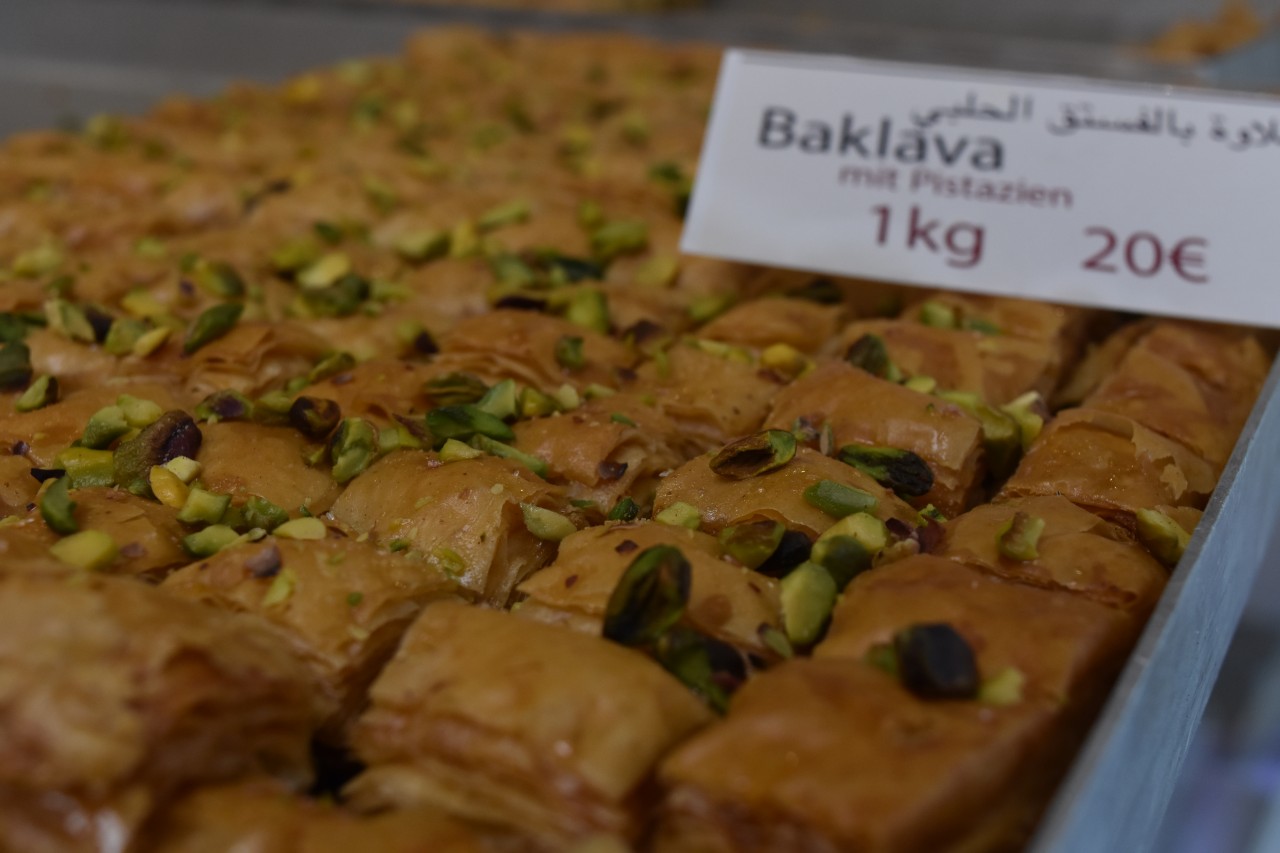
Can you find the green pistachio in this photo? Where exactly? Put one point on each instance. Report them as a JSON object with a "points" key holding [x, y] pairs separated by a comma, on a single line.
{"points": [[173, 434], [650, 597], [57, 509], [105, 426], [352, 448], [91, 550], [462, 422], [218, 278], [42, 392], [546, 524], [870, 353], [807, 596], [568, 352], [753, 542], [501, 401], [624, 510], [1162, 536], [224, 406], [212, 324], [421, 246], [590, 310], [331, 365], [938, 315], [1001, 435], [904, 472], [688, 656], [680, 514], [506, 451], [262, 513], [15, 365], [1017, 538], [619, 237], [455, 389], [755, 455], [838, 500]]}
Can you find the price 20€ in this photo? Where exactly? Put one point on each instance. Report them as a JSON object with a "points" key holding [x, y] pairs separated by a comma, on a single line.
{"points": [[960, 244]]}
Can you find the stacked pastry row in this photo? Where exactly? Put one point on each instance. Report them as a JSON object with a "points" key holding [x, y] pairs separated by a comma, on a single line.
{"points": [[381, 476]]}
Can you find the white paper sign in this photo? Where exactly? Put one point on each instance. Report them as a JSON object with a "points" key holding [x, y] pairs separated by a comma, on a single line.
{"points": [[1142, 198]]}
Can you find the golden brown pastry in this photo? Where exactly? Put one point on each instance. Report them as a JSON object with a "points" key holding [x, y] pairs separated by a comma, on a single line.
{"points": [[509, 721], [761, 323], [242, 459], [116, 696]]}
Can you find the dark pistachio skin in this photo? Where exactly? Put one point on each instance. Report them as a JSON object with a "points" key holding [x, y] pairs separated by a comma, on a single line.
{"points": [[225, 406], [793, 549], [624, 510], [870, 354], [904, 472], [755, 455], [935, 662], [455, 389], [173, 434], [708, 667], [650, 597], [462, 422], [314, 417], [352, 448]]}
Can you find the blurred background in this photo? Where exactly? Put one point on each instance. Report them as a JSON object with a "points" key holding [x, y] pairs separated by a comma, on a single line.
{"points": [[63, 61]]}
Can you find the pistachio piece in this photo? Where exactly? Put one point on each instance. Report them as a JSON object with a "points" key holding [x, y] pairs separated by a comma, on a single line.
{"points": [[882, 657], [1162, 536], [185, 468], [590, 310], [904, 472], [87, 468], [455, 451], [501, 400], [137, 412], [867, 530], [212, 324], [218, 278], [650, 597], [310, 529], [511, 213], [533, 404], [692, 658], [753, 542], [775, 641], [295, 255], [331, 365], [15, 365], [418, 247], [173, 434], [794, 549], [462, 422], [619, 237], [105, 426], [755, 455], [546, 524], [1017, 537], [935, 662], [70, 321], [506, 451], [168, 487], [807, 595], [938, 315], [314, 417], [704, 309], [342, 298], [624, 510], [870, 353], [324, 271], [921, 384], [680, 514], [124, 334], [1004, 688], [838, 500], [352, 448], [203, 507], [262, 513], [1029, 412], [224, 406], [91, 550], [845, 557], [1001, 436], [150, 341], [57, 509], [210, 540], [42, 392], [568, 352], [455, 389]]}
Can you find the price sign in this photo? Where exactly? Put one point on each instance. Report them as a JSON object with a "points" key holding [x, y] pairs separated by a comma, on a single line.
{"points": [[1142, 198]]}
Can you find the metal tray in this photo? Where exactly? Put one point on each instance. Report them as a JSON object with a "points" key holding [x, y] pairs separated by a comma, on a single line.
{"points": [[61, 59]]}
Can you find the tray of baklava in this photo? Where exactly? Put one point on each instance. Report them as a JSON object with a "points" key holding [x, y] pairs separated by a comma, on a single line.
{"points": [[377, 474]]}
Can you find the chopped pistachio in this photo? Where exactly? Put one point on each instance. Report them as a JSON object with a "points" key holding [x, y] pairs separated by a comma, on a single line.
{"points": [[904, 472], [845, 557], [703, 309], [15, 365], [794, 549], [354, 599], [340, 299], [938, 315], [124, 335], [500, 401], [87, 468], [168, 487], [546, 524], [272, 407], [57, 509], [506, 451], [262, 513], [921, 384], [680, 514], [753, 542], [567, 398], [568, 352], [332, 364], [210, 540], [1162, 536], [1004, 688], [224, 406], [755, 455], [650, 597], [421, 246], [658, 271], [173, 434], [869, 531], [624, 510], [1001, 435], [218, 278], [141, 304], [15, 326], [870, 353], [281, 589], [324, 271], [151, 340], [202, 507], [619, 418], [1017, 538], [295, 255], [455, 451], [932, 513], [619, 237], [590, 215], [839, 500], [352, 448], [329, 232], [1029, 412], [807, 596], [397, 437], [314, 417], [69, 320], [464, 240], [462, 422], [42, 392], [511, 213], [138, 412], [688, 656], [775, 641], [936, 662], [91, 550], [455, 389], [184, 468], [212, 324], [589, 309], [978, 324], [302, 528], [882, 657], [533, 404], [105, 426], [785, 359], [41, 260]]}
